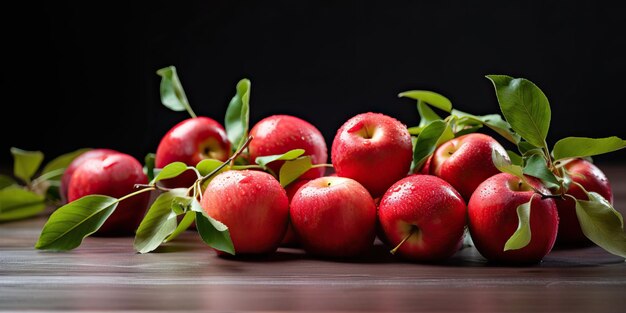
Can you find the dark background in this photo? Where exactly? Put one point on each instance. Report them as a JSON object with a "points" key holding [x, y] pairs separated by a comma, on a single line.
{"points": [[83, 74]]}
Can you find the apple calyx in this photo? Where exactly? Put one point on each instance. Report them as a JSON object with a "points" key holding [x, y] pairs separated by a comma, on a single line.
{"points": [[413, 230], [211, 149], [361, 130]]}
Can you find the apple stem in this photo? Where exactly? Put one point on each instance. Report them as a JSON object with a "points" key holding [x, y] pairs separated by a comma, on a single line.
{"points": [[413, 230]]}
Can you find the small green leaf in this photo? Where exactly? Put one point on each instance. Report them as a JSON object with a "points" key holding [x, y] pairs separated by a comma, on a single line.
{"points": [[430, 97], [17, 203], [431, 137], [536, 166], [149, 165], [62, 161], [189, 218], [524, 106], [515, 158], [26, 163], [494, 122], [289, 155], [576, 147], [172, 93], [206, 166], [291, 170], [602, 224], [6, 181], [158, 223], [503, 164], [525, 147], [415, 130], [521, 236], [237, 118], [467, 130], [181, 204], [171, 170], [213, 232], [70, 224], [427, 114]]}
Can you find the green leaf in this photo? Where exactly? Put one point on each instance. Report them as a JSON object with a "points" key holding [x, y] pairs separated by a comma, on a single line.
{"points": [[17, 203], [427, 114], [515, 158], [415, 130], [524, 106], [149, 165], [525, 147], [237, 118], [576, 147], [70, 224], [181, 204], [62, 161], [289, 155], [213, 232], [602, 224], [6, 181], [171, 170], [431, 137], [158, 223], [189, 218], [467, 130], [205, 167], [430, 97], [521, 236], [503, 164], [172, 93], [26, 163], [536, 166], [291, 170], [494, 122]]}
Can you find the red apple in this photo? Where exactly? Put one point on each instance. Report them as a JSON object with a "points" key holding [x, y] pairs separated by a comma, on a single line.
{"points": [[190, 142], [424, 216], [465, 162], [253, 205], [492, 213], [290, 238], [69, 171], [278, 134], [373, 149], [591, 178], [112, 175], [334, 217]]}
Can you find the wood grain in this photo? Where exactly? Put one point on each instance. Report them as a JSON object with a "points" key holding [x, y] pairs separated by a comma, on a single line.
{"points": [[105, 274]]}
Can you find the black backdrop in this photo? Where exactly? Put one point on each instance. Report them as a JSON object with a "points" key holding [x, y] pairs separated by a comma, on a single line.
{"points": [[83, 74]]}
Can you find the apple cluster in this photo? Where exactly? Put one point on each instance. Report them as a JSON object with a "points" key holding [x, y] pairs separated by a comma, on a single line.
{"points": [[420, 190]]}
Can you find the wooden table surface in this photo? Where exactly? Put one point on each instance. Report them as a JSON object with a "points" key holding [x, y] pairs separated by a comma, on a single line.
{"points": [[105, 274]]}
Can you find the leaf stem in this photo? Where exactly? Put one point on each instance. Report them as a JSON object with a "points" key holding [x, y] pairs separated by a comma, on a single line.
{"points": [[154, 186], [46, 176], [150, 188], [322, 165], [548, 157], [245, 167]]}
